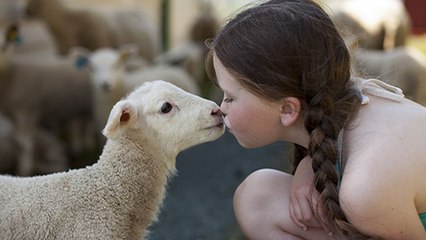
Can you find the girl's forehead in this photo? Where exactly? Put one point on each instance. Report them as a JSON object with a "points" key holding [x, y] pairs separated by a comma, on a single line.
{"points": [[225, 80]]}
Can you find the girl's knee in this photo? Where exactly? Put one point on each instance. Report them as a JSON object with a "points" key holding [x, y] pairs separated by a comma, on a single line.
{"points": [[252, 187], [255, 204], [260, 184], [258, 191]]}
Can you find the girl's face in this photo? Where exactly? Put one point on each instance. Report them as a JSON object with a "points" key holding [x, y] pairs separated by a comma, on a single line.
{"points": [[253, 121]]}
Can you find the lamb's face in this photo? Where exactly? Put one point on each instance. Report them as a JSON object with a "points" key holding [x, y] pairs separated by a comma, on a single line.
{"points": [[166, 114]]}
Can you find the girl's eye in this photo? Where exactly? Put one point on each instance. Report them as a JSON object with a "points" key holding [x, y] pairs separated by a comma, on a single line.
{"points": [[227, 100], [167, 107]]}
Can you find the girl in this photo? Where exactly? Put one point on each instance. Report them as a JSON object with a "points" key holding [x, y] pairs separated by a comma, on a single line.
{"points": [[360, 156]]}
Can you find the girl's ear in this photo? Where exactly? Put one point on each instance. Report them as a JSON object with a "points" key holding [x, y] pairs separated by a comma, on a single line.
{"points": [[290, 110]]}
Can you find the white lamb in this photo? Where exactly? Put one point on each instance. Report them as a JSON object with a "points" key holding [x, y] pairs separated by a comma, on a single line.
{"points": [[119, 196], [115, 73]]}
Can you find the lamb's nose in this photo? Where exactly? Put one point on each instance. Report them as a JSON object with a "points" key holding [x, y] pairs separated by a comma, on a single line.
{"points": [[217, 112]]}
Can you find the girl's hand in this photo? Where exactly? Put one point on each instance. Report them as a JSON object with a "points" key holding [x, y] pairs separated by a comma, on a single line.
{"points": [[304, 208]]}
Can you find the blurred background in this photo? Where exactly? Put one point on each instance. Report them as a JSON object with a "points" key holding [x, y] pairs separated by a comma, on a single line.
{"points": [[54, 99]]}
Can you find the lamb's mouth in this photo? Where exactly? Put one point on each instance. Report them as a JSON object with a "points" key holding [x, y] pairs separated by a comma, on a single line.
{"points": [[218, 125]]}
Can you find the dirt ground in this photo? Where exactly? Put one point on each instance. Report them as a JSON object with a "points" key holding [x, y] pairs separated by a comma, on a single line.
{"points": [[198, 205]]}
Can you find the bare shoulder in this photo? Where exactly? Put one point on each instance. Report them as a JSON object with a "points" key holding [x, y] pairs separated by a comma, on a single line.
{"points": [[383, 188]]}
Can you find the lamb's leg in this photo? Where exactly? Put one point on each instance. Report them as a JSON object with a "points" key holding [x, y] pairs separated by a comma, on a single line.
{"points": [[24, 137]]}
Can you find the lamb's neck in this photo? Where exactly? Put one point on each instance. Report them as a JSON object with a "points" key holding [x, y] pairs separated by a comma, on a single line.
{"points": [[128, 161], [130, 155], [135, 176]]}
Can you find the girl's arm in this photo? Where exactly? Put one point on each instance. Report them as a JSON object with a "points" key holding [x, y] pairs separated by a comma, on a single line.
{"points": [[303, 207]]}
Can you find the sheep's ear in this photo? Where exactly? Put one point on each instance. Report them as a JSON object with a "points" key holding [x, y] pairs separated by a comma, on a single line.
{"points": [[127, 52], [122, 114], [13, 34], [11, 37]]}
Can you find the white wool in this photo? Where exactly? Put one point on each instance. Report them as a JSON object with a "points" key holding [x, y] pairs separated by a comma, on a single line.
{"points": [[119, 196]]}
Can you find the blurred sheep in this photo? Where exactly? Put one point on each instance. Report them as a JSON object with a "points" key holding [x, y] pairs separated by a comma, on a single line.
{"points": [[50, 155], [11, 10], [191, 54], [8, 150], [32, 37], [115, 73], [378, 24], [93, 28], [404, 67], [51, 93]]}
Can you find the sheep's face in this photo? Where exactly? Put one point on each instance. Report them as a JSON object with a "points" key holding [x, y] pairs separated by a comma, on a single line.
{"points": [[166, 115], [107, 69]]}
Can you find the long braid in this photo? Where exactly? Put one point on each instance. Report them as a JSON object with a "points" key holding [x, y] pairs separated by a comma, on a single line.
{"points": [[323, 127]]}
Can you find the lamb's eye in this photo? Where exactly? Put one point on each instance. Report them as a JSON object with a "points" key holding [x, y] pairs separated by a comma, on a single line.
{"points": [[167, 107]]}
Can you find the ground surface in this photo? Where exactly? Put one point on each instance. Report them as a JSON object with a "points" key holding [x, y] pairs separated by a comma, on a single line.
{"points": [[198, 205]]}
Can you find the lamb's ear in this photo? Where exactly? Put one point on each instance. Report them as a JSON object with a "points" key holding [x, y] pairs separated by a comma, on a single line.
{"points": [[122, 114]]}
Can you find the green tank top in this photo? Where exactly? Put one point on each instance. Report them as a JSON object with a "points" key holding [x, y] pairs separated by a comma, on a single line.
{"points": [[423, 219]]}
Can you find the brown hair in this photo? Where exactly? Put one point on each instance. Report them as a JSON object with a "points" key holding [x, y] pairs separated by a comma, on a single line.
{"points": [[286, 48]]}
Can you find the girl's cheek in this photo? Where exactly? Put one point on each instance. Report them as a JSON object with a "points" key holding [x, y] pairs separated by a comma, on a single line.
{"points": [[223, 108], [227, 122]]}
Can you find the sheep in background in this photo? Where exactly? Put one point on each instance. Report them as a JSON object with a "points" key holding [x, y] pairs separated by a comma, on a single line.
{"points": [[70, 27], [379, 24], [404, 67], [49, 92], [191, 54], [119, 196], [49, 153], [11, 10], [7, 147], [129, 26], [117, 72], [32, 37], [95, 28]]}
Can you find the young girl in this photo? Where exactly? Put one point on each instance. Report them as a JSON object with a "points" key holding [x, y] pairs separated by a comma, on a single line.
{"points": [[360, 153]]}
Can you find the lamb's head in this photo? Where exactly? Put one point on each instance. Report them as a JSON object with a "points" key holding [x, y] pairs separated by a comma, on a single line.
{"points": [[164, 115]]}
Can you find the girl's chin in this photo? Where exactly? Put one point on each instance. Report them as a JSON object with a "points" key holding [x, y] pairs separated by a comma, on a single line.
{"points": [[245, 144]]}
